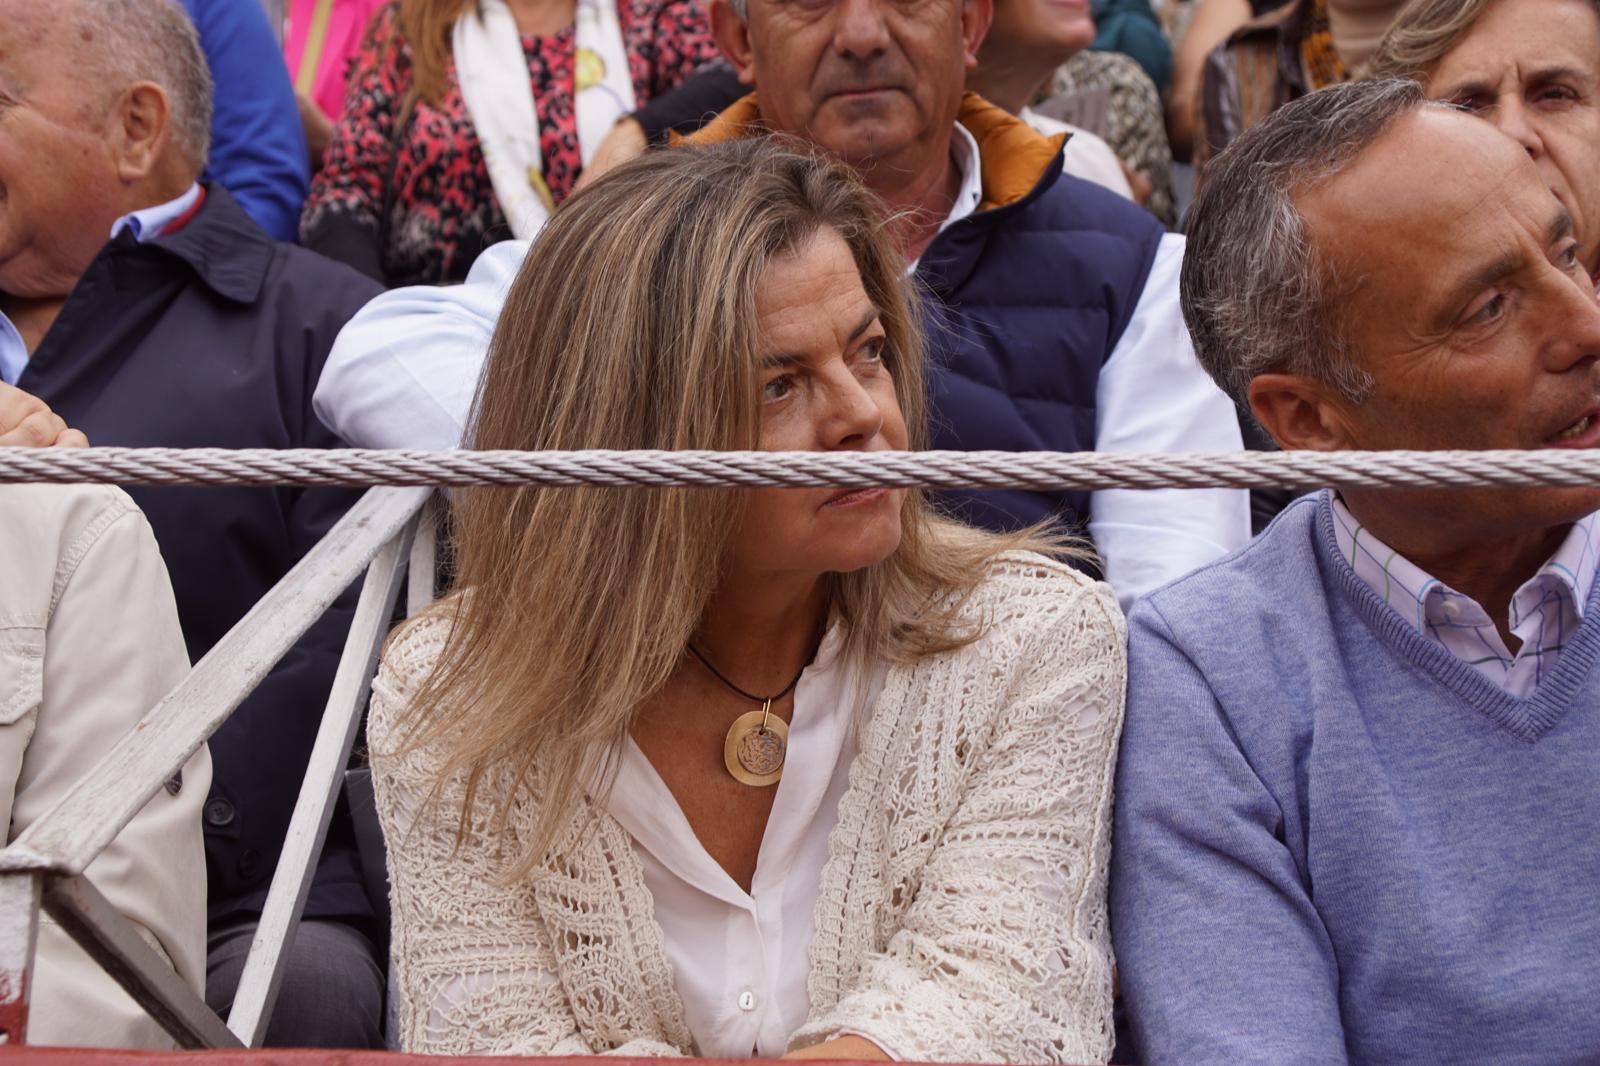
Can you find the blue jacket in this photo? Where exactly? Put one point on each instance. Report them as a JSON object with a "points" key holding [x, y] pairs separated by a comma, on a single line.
{"points": [[258, 147], [213, 336]]}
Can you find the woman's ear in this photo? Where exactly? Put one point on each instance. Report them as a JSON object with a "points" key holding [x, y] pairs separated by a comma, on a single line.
{"points": [[732, 35], [141, 122], [1300, 414]]}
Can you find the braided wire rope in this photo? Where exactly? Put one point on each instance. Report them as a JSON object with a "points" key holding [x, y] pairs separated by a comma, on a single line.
{"points": [[982, 470]]}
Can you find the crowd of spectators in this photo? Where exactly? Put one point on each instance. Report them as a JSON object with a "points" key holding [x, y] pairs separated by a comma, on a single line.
{"points": [[1043, 776]]}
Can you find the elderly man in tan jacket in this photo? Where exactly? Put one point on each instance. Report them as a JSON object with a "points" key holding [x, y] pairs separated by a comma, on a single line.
{"points": [[89, 641]]}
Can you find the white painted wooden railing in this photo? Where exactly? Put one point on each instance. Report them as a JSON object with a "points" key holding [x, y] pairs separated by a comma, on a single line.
{"points": [[388, 532]]}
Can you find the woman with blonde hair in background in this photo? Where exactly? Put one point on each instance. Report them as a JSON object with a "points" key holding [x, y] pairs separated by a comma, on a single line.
{"points": [[814, 772], [1532, 68]]}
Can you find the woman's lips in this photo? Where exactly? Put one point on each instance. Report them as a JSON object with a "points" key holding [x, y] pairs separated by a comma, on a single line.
{"points": [[856, 497]]}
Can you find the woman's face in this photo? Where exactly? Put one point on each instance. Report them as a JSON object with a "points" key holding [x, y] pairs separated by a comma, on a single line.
{"points": [[1532, 67], [824, 388]]}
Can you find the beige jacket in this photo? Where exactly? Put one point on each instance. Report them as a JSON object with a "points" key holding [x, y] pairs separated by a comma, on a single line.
{"points": [[89, 641], [962, 908]]}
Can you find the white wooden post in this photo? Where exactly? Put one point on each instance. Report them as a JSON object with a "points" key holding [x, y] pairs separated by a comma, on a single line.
{"points": [[297, 863], [423, 575]]}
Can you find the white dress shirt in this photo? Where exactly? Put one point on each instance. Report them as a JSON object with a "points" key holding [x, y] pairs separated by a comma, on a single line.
{"points": [[403, 371], [146, 224], [1545, 609], [740, 958]]}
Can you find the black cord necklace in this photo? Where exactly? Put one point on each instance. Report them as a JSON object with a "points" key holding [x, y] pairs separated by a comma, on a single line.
{"points": [[756, 744]]}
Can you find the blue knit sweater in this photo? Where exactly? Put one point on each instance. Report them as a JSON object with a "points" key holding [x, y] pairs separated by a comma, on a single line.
{"points": [[1335, 842]]}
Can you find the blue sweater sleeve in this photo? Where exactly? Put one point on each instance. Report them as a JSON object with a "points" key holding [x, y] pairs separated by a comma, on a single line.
{"points": [[258, 147], [1222, 956]]}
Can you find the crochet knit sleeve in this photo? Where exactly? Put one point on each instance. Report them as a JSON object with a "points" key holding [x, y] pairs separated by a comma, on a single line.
{"points": [[1003, 952], [473, 962]]}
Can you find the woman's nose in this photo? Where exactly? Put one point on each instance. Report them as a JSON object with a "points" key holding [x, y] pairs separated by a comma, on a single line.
{"points": [[851, 417], [1516, 121]]}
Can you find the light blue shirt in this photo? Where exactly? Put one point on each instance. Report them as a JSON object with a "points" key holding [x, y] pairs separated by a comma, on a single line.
{"points": [[146, 223]]}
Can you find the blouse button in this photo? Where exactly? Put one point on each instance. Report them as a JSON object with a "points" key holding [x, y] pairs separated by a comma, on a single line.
{"points": [[747, 1000]]}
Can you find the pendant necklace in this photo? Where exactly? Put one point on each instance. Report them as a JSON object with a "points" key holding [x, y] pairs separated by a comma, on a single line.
{"points": [[757, 742]]}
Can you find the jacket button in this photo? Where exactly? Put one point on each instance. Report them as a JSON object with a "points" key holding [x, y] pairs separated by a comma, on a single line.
{"points": [[249, 863], [219, 812], [174, 784]]}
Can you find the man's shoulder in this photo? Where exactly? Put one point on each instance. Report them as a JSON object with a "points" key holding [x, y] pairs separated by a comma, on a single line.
{"points": [[315, 280], [1075, 204], [47, 530], [1275, 571]]}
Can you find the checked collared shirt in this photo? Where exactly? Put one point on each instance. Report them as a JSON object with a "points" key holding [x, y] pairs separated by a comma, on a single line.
{"points": [[1545, 610]]}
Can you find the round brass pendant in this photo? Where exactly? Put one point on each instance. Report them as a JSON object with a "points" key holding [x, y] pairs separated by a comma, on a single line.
{"points": [[755, 748]]}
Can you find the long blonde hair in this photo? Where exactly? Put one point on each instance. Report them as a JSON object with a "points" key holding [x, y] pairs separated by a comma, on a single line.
{"points": [[632, 324]]}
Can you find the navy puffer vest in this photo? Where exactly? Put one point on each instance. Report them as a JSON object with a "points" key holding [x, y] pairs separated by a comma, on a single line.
{"points": [[1023, 304]]}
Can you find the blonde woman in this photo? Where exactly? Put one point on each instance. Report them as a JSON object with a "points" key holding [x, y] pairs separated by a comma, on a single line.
{"points": [[736, 773]]}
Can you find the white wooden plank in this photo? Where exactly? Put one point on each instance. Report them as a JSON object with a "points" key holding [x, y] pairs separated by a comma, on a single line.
{"points": [[113, 942], [297, 863], [95, 810], [423, 574]]}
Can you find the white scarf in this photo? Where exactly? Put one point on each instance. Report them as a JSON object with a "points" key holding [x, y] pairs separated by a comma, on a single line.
{"points": [[493, 74]]}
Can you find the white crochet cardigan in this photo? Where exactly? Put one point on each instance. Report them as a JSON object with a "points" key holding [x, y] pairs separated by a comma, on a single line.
{"points": [[962, 913]]}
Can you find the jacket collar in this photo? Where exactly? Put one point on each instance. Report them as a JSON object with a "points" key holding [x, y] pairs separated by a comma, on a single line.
{"points": [[1014, 158], [227, 251]]}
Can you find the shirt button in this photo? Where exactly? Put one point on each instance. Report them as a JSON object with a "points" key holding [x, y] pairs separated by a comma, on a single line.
{"points": [[1452, 609], [218, 812], [747, 1000]]}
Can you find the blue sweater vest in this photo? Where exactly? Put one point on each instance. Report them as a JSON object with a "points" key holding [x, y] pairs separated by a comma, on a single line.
{"points": [[1023, 304], [1336, 842]]}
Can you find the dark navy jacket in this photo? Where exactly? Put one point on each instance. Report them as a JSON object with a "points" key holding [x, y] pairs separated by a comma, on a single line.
{"points": [[1024, 301], [213, 336]]}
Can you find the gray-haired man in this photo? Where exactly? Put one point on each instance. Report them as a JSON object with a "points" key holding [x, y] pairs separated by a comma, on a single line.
{"points": [[1356, 799]]}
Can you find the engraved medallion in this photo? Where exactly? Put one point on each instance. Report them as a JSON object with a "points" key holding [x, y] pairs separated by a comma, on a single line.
{"points": [[755, 748]]}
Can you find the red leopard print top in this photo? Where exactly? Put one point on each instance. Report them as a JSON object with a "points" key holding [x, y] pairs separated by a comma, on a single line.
{"points": [[441, 208]]}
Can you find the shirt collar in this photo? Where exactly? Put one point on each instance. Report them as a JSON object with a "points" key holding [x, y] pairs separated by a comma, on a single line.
{"points": [[964, 154], [1421, 599], [147, 223]]}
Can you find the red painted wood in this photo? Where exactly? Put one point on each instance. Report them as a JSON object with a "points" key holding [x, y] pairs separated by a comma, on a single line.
{"points": [[37, 1056]]}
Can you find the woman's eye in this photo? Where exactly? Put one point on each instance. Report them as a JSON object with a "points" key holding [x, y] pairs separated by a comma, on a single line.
{"points": [[1569, 257], [1554, 94], [777, 388], [872, 351]]}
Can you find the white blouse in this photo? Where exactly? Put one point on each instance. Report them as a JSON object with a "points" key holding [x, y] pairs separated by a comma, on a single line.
{"points": [[740, 959]]}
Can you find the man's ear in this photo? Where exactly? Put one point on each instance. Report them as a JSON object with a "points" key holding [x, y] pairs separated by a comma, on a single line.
{"points": [[1301, 414], [976, 16], [141, 126], [732, 34]]}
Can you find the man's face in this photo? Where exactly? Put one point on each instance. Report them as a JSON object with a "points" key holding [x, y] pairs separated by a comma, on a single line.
{"points": [[1464, 298], [57, 175], [867, 80], [1532, 67]]}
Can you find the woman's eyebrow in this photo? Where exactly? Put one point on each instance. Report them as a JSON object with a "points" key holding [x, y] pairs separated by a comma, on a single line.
{"points": [[865, 324]]}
